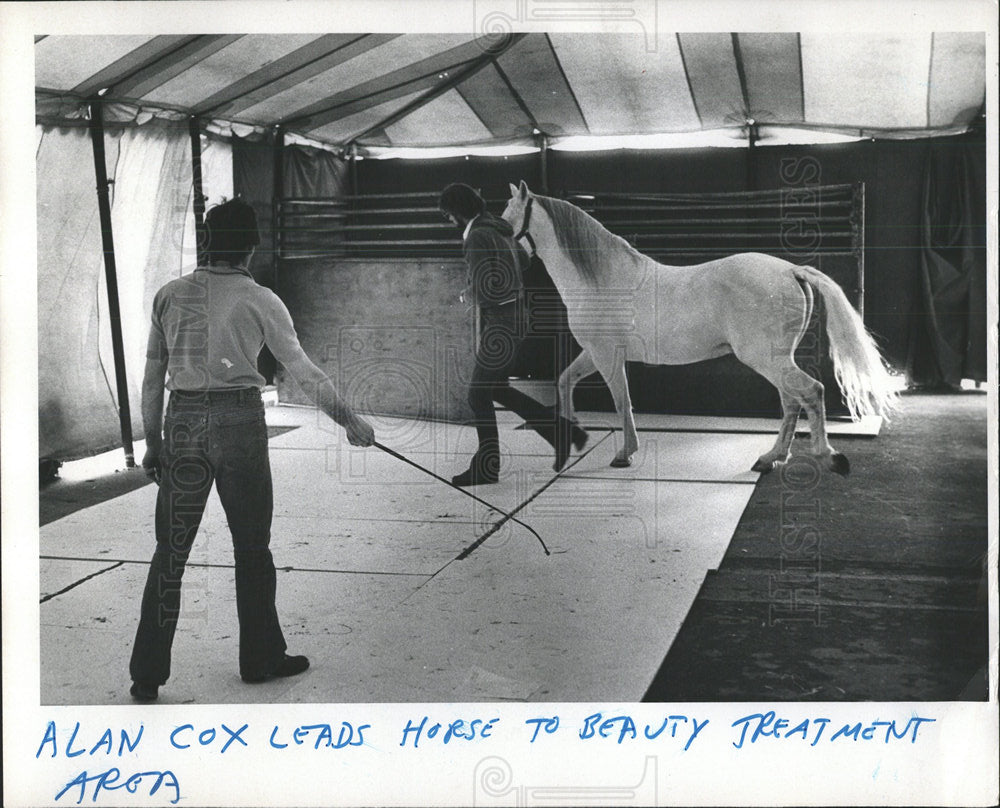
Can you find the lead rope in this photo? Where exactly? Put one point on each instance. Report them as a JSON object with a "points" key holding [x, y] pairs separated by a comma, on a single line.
{"points": [[507, 516]]}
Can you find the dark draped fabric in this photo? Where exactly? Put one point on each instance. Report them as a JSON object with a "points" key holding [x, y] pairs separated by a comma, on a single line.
{"points": [[948, 343], [253, 181], [307, 172], [313, 172]]}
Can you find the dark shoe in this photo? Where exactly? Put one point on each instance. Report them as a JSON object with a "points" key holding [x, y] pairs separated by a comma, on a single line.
{"points": [[141, 691], [567, 432], [474, 476], [484, 468], [289, 666]]}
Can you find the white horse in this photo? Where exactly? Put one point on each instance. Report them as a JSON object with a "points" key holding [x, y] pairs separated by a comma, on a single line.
{"points": [[624, 306]]}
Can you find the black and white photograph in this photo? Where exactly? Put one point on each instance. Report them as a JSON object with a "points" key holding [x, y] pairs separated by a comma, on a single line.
{"points": [[499, 402]]}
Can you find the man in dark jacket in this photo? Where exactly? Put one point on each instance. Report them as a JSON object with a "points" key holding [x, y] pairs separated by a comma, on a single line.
{"points": [[496, 263]]}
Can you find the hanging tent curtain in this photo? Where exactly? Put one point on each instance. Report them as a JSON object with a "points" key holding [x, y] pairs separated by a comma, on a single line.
{"points": [[151, 197], [76, 409], [949, 340], [253, 182], [311, 172], [151, 200]]}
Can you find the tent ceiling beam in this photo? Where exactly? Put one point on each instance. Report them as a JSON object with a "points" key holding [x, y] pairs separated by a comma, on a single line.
{"points": [[514, 94], [566, 82], [687, 78], [412, 78], [443, 87], [143, 57], [300, 65], [170, 65], [742, 74]]}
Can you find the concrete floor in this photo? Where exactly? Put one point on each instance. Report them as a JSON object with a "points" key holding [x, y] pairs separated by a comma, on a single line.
{"points": [[369, 585]]}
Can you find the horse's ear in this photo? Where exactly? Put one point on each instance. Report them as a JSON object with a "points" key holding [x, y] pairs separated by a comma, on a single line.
{"points": [[513, 190], [523, 190]]}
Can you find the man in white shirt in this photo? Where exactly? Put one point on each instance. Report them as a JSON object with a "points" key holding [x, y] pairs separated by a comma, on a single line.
{"points": [[207, 330]]}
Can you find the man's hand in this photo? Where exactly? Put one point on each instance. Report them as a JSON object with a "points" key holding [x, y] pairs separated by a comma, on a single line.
{"points": [[360, 432], [151, 463]]}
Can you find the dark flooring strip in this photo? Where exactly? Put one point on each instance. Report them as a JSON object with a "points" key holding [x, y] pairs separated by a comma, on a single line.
{"points": [[468, 550], [695, 480], [866, 588], [194, 565]]}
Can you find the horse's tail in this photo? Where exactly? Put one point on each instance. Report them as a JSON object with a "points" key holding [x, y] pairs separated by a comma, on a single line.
{"points": [[858, 365]]}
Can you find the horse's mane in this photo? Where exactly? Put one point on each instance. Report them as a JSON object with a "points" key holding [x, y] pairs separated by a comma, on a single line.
{"points": [[584, 239]]}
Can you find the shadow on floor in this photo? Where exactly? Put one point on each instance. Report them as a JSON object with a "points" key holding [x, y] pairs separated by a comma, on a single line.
{"points": [[59, 497]]}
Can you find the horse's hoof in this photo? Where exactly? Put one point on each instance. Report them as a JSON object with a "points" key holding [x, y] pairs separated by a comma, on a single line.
{"points": [[839, 464], [762, 467], [621, 463]]}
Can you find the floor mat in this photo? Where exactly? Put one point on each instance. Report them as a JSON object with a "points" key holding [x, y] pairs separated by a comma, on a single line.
{"points": [[370, 585]]}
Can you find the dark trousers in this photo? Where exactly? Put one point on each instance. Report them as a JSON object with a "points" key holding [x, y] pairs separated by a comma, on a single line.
{"points": [[501, 339], [212, 437]]}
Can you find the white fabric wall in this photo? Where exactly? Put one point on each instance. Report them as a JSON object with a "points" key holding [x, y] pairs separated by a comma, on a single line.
{"points": [[73, 399], [152, 216], [216, 186]]}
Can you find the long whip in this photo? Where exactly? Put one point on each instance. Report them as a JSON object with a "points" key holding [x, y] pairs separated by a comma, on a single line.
{"points": [[507, 516]]}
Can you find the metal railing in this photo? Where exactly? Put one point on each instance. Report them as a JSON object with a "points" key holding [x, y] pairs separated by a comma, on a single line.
{"points": [[675, 228], [403, 225]]}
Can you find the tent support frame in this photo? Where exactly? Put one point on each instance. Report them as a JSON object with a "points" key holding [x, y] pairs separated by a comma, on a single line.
{"points": [[277, 194], [198, 201], [543, 160], [111, 276]]}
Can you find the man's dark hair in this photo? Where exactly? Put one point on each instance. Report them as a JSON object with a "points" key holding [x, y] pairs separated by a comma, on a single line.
{"points": [[461, 201], [232, 231]]}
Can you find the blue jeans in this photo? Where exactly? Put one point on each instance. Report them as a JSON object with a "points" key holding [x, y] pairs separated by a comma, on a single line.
{"points": [[212, 437]]}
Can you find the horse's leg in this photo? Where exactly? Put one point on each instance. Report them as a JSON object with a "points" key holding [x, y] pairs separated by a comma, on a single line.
{"points": [[610, 362], [778, 453], [795, 386], [795, 383], [579, 368], [813, 401]]}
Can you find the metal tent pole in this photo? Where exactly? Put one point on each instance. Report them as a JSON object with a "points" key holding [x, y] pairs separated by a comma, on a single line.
{"points": [[111, 274], [753, 135], [277, 200], [201, 235], [543, 158], [353, 171]]}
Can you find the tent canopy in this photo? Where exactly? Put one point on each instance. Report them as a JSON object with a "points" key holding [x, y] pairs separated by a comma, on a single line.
{"points": [[421, 90]]}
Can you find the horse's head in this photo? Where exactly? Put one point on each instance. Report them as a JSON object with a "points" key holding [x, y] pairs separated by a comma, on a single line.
{"points": [[516, 210]]}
